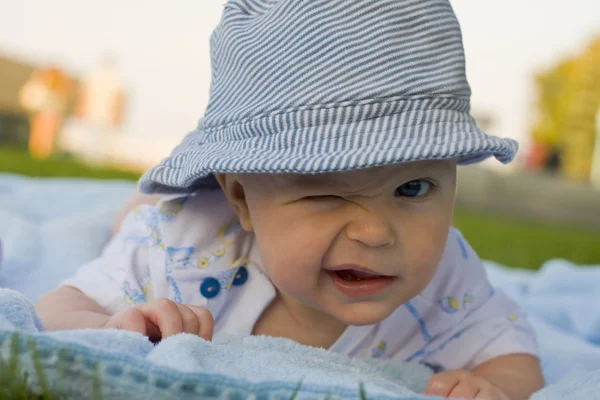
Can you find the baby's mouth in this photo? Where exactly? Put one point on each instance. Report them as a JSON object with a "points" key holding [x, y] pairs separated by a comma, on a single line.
{"points": [[355, 281], [352, 275]]}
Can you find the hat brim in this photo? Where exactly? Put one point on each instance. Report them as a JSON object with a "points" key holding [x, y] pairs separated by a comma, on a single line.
{"points": [[192, 164]]}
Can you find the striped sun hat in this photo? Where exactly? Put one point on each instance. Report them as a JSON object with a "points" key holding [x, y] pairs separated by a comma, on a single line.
{"points": [[312, 86]]}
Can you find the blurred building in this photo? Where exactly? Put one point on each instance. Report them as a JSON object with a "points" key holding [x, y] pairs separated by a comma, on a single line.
{"points": [[97, 133], [47, 96], [14, 125], [93, 131]]}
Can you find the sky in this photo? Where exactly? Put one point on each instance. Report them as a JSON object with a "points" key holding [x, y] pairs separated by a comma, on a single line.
{"points": [[163, 54]]}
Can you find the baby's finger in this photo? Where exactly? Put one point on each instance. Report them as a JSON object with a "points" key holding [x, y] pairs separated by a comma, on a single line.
{"points": [[129, 320], [191, 322], [489, 394], [165, 314], [442, 384], [464, 390], [205, 330]]}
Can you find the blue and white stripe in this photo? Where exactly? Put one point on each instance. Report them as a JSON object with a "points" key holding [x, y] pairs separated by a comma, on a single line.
{"points": [[311, 86]]}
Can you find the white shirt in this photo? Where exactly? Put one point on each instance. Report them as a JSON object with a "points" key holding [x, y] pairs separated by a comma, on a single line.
{"points": [[185, 249]]}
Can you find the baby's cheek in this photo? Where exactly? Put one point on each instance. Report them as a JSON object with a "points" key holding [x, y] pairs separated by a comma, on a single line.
{"points": [[293, 249], [422, 264], [294, 278], [293, 266]]}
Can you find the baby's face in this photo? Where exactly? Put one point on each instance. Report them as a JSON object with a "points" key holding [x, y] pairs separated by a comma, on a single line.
{"points": [[352, 245]]}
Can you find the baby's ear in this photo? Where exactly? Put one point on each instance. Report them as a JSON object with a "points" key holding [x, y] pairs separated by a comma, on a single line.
{"points": [[236, 196]]}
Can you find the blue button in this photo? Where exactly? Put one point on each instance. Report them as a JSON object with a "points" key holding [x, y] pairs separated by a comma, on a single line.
{"points": [[210, 287], [240, 277]]}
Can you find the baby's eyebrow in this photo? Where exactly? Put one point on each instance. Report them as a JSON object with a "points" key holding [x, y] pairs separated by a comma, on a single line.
{"points": [[345, 186], [318, 182]]}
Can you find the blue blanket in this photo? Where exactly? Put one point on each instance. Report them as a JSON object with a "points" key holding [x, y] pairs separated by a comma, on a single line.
{"points": [[49, 227]]}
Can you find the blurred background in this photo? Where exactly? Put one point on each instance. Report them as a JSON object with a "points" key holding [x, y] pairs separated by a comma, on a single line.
{"points": [[106, 89]]}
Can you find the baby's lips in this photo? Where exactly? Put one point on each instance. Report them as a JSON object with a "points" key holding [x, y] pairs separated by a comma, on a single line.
{"points": [[357, 271], [359, 274]]}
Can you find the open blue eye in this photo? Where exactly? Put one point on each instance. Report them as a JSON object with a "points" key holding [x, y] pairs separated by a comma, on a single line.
{"points": [[416, 188]]}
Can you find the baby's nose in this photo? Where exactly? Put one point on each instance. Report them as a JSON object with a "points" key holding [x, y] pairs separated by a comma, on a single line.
{"points": [[372, 230]]}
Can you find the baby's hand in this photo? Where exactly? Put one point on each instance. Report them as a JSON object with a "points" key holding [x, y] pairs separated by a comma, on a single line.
{"points": [[162, 318], [462, 384]]}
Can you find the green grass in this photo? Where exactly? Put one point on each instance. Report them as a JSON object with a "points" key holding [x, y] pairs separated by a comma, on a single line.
{"points": [[521, 243], [506, 240], [17, 161], [14, 381]]}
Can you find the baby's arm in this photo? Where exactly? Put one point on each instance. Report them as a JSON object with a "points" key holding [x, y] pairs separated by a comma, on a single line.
{"points": [[102, 292], [509, 377], [67, 308], [490, 352], [518, 375]]}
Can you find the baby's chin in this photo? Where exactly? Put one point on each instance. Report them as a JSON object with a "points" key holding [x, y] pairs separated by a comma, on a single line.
{"points": [[363, 313]]}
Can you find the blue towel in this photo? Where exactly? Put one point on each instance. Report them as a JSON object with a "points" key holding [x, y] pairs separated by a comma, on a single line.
{"points": [[50, 226], [584, 386], [562, 300], [186, 366]]}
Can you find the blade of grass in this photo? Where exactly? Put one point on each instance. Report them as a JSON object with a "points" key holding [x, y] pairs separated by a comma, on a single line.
{"points": [[96, 387], [363, 394], [296, 390], [39, 369]]}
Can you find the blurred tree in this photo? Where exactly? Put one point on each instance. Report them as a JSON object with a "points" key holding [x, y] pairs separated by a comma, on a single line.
{"points": [[568, 99], [580, 123]]}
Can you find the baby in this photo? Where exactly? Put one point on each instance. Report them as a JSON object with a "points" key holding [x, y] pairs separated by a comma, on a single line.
{"points": [[314, 202]]}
